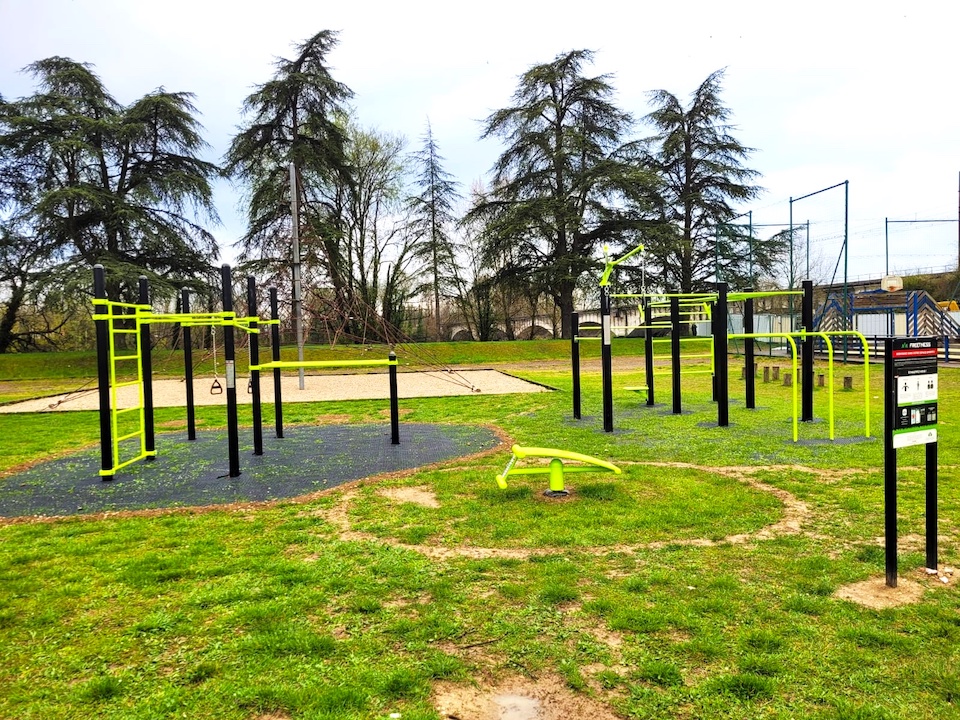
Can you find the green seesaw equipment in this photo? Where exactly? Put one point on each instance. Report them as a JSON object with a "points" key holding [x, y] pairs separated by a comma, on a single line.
{"points": [[555, 469]]}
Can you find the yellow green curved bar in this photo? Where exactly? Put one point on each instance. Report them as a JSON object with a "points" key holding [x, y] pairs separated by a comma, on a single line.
{"points": [[556, 469]]}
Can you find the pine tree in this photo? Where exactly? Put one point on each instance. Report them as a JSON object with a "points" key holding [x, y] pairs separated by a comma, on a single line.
{"points": [[298, 116], [702, 173], [558, 187], [432, 215], [100, 182]]}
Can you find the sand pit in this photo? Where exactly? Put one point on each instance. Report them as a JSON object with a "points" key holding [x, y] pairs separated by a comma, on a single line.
{"points": [[368, 386]]}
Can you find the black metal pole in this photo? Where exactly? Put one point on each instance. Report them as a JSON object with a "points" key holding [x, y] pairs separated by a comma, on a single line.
{"points": [[806, 365], [188, 366], [103, 372], [275, 343], [252, 311], [931, 494], [146, 367], [749, 374], [648, 350], [575, 361], [394, 402], [230, 367], [675, 351], [606, 359], [889, 465], [720, 350]]}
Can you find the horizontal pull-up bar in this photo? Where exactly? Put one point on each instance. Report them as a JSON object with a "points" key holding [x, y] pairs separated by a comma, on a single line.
{"points": [[689, 296], [741, 296], [144, 315]]}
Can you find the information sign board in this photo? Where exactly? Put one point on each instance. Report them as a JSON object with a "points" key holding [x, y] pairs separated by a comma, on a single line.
{"points": [[910, 418], [915, 378]]}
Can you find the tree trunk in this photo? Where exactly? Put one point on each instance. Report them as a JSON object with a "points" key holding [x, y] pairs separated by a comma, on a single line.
{"points": [[566, 308], [9, 319]]}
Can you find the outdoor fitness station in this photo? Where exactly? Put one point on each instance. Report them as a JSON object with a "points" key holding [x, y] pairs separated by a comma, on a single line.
{"points": [[668, 313], [132, 321], [555, 469]]}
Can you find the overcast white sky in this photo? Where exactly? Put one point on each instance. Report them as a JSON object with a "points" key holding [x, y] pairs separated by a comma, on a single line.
{"points": [[825, 91]]}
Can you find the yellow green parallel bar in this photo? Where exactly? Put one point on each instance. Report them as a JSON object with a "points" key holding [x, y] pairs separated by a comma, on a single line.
{"points": [[830, 379], [793, 349], [296, 365], [866, 370]]}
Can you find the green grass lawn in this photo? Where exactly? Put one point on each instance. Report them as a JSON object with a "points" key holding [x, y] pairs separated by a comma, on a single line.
{"points": [[700, 583]]}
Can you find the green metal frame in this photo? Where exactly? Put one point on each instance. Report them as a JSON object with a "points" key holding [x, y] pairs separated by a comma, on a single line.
{"points": [[120, 313], [556, 468]]}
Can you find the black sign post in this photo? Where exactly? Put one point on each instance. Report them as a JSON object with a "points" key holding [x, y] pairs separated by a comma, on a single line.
{"points": [[910, 418]]}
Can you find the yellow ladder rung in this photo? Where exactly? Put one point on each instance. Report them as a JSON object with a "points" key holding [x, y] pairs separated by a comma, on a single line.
{"points": [[124, 331], [126, 384], [138, 433], [122, 465], [126, 357], [121, 411]]}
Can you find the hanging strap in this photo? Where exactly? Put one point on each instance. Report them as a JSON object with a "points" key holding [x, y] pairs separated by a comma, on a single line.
{"points": [[215, 388]]}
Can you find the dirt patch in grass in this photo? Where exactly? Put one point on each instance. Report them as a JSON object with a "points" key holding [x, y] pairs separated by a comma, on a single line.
{"points": [[518, 698], [874, 593], [401, 412], [416, 495], [610, 638], [172, 424], [333, 419]]}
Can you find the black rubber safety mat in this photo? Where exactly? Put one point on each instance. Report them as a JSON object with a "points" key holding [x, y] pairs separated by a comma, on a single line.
{"points": [[184, 474]]}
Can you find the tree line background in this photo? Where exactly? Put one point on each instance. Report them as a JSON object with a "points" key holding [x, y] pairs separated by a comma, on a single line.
{"points": [[391, 244]]}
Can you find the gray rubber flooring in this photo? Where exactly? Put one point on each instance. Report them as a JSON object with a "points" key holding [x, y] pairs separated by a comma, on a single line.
{"points": [[184, 474]]}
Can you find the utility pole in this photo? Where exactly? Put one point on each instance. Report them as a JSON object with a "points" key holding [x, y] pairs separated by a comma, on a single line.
{"points": [[297, 289]]}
